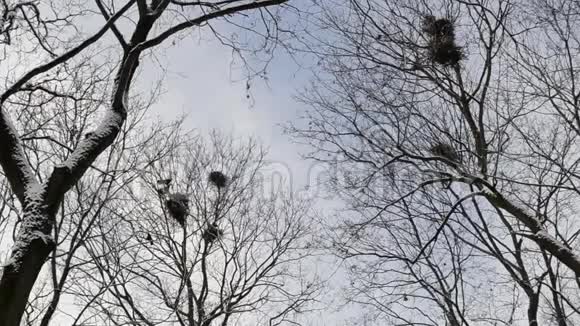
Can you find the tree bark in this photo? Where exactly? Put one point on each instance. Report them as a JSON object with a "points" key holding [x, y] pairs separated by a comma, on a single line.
{"points": [[533, 308], [27, 258]]}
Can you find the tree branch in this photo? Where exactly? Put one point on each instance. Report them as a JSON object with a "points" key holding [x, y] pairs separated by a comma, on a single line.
{"points": [[199, 20], [12, 159], [539, 235], [65, 57], [73, 168], [114, 28]]}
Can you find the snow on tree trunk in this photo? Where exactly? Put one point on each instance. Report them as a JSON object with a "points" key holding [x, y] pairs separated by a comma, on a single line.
{"points": [[31, 249]]}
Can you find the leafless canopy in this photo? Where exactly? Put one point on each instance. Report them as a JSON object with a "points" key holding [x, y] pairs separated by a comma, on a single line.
{"points": [[492, 238], [240, 259], [83, 56]]}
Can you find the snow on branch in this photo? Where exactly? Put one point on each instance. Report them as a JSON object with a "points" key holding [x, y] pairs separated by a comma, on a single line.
{"points": [[110, 124], [69, 172], [12, 159], [66, 174], [539, 234]]}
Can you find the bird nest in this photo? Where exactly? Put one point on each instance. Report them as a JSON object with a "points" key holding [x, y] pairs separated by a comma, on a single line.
{"points": [[444, 51], [442, 48], [218, 179], [447, 151], [178, 207], [212, 233], [441, 27]]}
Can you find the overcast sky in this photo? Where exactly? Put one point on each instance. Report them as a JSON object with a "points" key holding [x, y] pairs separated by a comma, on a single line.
{"points": [[201, 83]]}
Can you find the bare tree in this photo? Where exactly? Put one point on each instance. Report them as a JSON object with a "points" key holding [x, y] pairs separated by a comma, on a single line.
{"points": [[86, 205], [238, 257], [40, 42], [52, 136], [453, 128]]}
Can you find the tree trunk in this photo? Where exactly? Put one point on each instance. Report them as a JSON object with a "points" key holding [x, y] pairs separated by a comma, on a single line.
{"points": [[32, 247], [533, 308]]}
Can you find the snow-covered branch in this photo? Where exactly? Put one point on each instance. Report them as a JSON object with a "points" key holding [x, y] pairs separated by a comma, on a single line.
{"points": [[539, 234], [12, 159]]}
